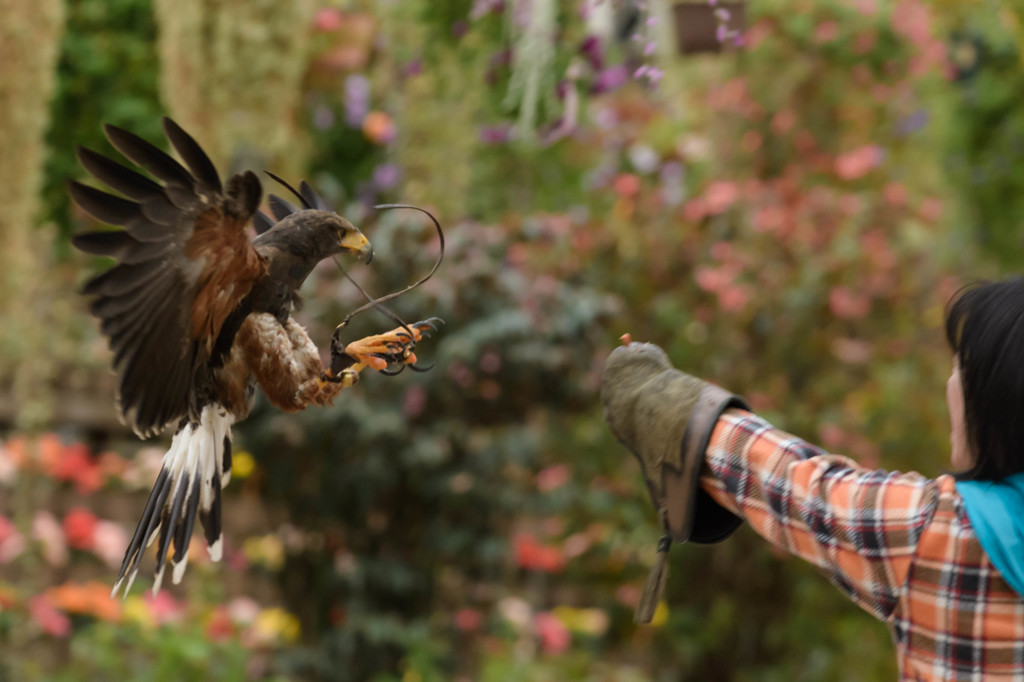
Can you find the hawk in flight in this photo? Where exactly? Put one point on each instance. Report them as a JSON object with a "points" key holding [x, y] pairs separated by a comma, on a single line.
{"points": [[198, 314]]}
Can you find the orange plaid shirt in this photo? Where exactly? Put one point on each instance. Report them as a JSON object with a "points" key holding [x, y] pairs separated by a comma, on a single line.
{"points": [[900, 545]]}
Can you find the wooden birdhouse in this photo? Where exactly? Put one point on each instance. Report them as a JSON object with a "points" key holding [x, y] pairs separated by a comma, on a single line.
{"points": [[702, 27]]}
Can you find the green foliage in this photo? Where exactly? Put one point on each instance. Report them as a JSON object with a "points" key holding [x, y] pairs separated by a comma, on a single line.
{"points": [[106, 74], [987, 136], [108, 651]]}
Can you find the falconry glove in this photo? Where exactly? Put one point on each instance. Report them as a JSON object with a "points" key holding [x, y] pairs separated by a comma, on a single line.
{"points": [[665, 417]]}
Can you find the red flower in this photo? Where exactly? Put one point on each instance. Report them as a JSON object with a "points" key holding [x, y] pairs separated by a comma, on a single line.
{"points": [[89, 478], [220, 626], [65, 462], [468, 620], [533, 556], [80, 528]]}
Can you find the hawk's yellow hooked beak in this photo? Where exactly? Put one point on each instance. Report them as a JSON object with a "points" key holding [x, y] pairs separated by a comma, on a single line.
{"points": [[356, 242]]}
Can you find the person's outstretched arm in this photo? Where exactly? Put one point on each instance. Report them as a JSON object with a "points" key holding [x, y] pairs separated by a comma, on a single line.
{"points": [[860, 526]]}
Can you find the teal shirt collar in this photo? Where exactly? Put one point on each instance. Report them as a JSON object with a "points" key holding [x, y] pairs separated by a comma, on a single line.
{"points": [[996, 512]]}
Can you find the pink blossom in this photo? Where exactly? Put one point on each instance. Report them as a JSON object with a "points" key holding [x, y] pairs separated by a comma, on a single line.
{"points": [[554, 636], [721, 195], [164, 608], [109, 542], [695, 209], [931, 209], [733, 299], [576, 544], [711, 279], [912, 19], [243, 610], [768, 218], [12, 543], [895, 193], [8, 469], [751, 141], [846, 304], [47, 530], [626, 185], [865, 42], [783, 121], [328, 19], [867, 7], [47, 617], [552, 478], [858, 163], [722, 250], [757, 33], [628, 595], [826, 31]]}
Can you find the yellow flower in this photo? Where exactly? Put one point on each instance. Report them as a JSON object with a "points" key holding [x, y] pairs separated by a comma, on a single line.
{"points": [[267, 550], [660, 615], [592, 622], [276, 624], [242, 465], [137, 611]]}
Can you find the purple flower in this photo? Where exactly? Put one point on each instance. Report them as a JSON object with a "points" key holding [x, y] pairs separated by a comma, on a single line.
{"points": [[459, 29], [593, 51], [610, 79], [385, 176], [482, 8], [495, 134], [911, 124], [357, 99], [412, 68]]}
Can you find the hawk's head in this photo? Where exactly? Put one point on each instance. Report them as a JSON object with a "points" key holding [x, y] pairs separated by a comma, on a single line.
{"points": [[313, 235]]}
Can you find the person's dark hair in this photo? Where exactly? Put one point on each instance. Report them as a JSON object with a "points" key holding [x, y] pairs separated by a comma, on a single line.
{"points": [[985, 328]]}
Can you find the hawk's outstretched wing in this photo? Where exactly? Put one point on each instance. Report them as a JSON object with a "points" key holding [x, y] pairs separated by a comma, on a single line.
{"points": [[184, 264]]}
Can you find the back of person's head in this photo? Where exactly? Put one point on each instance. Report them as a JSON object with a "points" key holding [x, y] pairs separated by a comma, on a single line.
{"points": [[985, 328]]}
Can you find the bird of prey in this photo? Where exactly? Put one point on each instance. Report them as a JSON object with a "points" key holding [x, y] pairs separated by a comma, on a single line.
{"points": [[198, 314]]}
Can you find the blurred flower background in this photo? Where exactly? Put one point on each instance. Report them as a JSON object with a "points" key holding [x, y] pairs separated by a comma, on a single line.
{"points": [[786, 214]]}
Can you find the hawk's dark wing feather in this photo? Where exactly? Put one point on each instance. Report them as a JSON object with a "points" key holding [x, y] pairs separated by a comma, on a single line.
{"points": [[184, 263]]}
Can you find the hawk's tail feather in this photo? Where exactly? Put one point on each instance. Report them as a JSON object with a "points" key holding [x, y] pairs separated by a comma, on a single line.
{"points": [[192, 474]]}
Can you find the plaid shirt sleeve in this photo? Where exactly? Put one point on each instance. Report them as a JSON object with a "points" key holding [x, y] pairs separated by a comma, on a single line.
{"points": [[860, 526]]}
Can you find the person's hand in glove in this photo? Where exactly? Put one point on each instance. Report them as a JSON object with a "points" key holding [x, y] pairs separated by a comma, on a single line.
{"points": [[665, 418]]}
